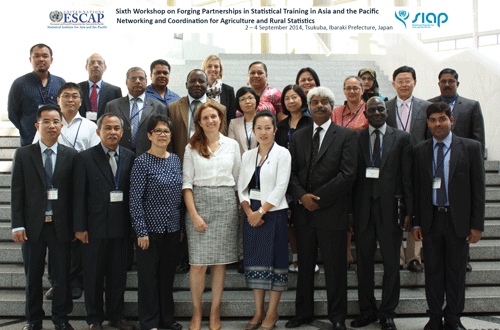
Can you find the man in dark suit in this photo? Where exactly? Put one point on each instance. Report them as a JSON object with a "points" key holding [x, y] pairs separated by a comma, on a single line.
{"points": [[449, 185], [41, 199], [102, 222], [95, 92], [407, 113], [384, 179], [324, 162], [135, 109], [160, 76]]}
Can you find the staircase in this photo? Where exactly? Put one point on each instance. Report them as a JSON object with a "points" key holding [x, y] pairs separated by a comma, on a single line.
{"points": [[482, 293]]}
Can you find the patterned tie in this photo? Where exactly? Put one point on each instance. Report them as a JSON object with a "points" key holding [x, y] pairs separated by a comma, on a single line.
{"points": [[441, 192], [112, 162], [405, 111], [48, 171], [93, 98], [194, 105], [314, 154], [134, 115]]}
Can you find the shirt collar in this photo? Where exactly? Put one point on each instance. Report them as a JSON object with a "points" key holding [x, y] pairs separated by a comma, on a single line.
{"points": [[449, 99], [43, 147], [75, 118], [381, 129], [99, 84], [446, 141], [141, 97], [202, 99], [325, 126], [400, 101], [106, 149]]}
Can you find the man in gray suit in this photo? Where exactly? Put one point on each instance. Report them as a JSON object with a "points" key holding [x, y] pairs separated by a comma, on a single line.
{"points": [[407, 113], [95, 92], [135, 109]]}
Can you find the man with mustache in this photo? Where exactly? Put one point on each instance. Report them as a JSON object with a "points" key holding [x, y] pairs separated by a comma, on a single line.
{"points": [[160, 76], [95, 92], [31, 91], [324, 164]]}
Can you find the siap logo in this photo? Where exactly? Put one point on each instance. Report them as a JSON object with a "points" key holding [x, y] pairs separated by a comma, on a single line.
{"points": [[430, 18], [402, 16]]}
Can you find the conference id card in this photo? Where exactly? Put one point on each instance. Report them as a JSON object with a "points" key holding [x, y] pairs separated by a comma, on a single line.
{"points": [[116, 196], [52, 194], [255, 194], [436, 183], [91, 115], [372, 172]]}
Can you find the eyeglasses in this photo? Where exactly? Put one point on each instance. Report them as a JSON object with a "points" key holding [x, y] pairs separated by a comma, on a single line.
{"points": [[244, 99], [406, 81], [352, 88], [324, 102], [70, 96], [449, 82], [134, 78], [49, 122], [160, 132]]}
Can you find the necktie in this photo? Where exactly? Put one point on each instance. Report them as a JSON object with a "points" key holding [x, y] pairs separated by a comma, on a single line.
{"points": [[314, 154], [112, 162], [48, 171], [93, 98], [194, 105], [441, 192], [134, 121], [376, 148], [405, 111]]}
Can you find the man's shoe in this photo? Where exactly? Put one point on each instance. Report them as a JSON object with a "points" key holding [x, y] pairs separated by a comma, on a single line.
{"points": [[95, 326], [388, 324], [63, 326], [297, 321], [175, 326], [434, 324], [182, 268], [363, 320], [49, 294], [415, 266], [122, 324], [469, 267], [76, 292], [36, 326], [241, 267], [338, 326], [454, 326]]}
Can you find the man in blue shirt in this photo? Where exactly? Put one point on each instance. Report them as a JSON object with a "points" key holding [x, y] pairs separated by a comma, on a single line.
{"points": [[31, 91], [160, 76]]}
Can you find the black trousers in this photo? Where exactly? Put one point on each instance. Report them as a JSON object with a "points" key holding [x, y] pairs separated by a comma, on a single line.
{"points": [[366, 246], [445, 257], [34, 265], [333, 246], [155, 273], [104, 266]]}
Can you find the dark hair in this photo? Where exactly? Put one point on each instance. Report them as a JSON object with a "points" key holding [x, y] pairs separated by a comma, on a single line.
{"points": [[187, 78], [297, 89], [47, 107], [69, 85], [404, 69], [242, 91], [258, 62], [313, 73], [109, 114], [160, 62], [264, 113], [448, 70], [199, 141], [135, 68], [438, 107], [41, 46], [159, 118]]}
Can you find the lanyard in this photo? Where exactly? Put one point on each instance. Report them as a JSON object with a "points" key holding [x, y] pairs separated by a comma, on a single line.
{"points": [[138, 112], [117, 177], [404, 127], [76, 137], [249, 138], [347, 106], [48, 89], [258, 168], [262, 92], [94, 105], [374, 160], [436, 168]]}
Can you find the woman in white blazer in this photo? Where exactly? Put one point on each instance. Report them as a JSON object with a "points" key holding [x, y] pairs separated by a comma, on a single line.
{"points": [[240, 129], [262, 184]]}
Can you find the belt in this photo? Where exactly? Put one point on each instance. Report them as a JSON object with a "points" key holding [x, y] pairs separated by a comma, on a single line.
{"points": [[441, 208], [48, 218]]}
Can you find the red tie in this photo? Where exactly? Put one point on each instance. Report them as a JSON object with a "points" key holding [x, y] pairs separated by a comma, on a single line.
{"points": [[93, 98]]}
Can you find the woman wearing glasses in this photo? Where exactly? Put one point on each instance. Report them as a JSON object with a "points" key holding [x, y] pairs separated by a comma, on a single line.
{"points": [[155, 208], [370, 84]]}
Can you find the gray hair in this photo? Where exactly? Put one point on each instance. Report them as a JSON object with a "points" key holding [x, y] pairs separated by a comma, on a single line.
{"points": [[135, 68], [354, 77], [321, 92], [99, 121]]}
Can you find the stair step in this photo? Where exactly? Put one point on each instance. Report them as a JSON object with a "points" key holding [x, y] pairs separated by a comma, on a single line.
{"points": [[10, 142], [493, 194]]}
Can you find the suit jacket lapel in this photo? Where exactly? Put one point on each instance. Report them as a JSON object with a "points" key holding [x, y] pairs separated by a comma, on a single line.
{"points": [[125, 108], [102, 162], [456, 144], [146, 111], [60, 160], [123, 160], [185, 114], [36, 156], [456, 112], [102, 97], [364, 141], [429, 158], [86, 96], [392, 117], [307, 144], [415, 108], [327, 140], [387, 143]]}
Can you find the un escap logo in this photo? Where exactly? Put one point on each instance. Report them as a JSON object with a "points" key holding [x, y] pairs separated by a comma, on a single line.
{"points": [[55, 16], [431, 18], [402, 16]]}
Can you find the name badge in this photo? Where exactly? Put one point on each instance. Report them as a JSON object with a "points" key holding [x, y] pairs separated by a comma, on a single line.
{"points": [[372, 172], [116, 196], [255, 194], [91, 115], [436, 183], [52, 194]]}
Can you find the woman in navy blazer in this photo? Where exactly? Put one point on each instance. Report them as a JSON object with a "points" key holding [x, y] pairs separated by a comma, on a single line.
{"points": [[262, 184]]}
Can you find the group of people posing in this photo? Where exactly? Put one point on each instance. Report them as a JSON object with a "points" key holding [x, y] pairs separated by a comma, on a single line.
{"points": [[238, 176]]}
